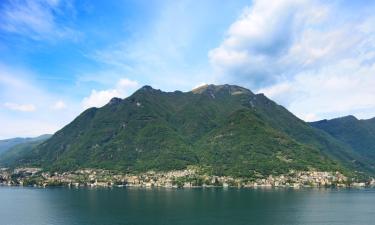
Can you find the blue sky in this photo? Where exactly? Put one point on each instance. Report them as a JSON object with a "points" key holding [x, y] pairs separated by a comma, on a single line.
{"points": [[59, 57]]}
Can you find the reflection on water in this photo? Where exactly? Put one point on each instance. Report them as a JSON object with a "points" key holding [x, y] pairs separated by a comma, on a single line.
{"points": [[32, 206]]}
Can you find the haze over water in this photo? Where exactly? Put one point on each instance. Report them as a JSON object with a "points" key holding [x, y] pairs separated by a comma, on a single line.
{"points": [[58, 206]]}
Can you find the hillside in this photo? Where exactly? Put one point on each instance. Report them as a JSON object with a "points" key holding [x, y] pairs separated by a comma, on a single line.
{"points": [[358, 134], [15, 154], [225, 129], [7, 144]]}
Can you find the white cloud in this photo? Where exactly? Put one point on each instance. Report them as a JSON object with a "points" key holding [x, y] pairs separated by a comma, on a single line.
{"points": [[20, 107], [99, 98], [59, 105], [24, 127], [310, 117], [259, 45], [17, 85], [21, 95], [35, 19], [125, 84], [199, 85], [337, 90], [307, 55], [170, 52]]}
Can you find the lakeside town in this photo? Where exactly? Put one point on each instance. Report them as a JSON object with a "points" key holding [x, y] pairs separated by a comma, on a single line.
{"points": [[173, 179]]}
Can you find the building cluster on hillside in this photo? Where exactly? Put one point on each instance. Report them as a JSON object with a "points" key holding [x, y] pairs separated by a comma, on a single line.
{"points": [[172, 179]]}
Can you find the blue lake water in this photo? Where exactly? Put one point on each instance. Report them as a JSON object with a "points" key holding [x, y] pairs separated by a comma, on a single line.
{"points": [[63, 206]]}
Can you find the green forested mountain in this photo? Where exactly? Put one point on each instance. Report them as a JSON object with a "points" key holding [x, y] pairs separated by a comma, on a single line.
{"points": [[224, 129], [358, 134], [7, 144], [13, 154]]}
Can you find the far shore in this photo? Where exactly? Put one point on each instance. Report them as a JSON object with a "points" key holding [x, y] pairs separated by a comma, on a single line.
{"points": [[188, 178]]}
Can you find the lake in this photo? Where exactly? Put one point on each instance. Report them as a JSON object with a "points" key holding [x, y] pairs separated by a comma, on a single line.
{"points": [[64, 206]]}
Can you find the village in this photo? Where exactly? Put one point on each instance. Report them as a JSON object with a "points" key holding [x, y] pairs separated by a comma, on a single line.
{"points": [[188, 178]]}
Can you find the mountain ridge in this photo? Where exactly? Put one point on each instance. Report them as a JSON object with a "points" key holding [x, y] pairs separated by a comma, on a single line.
{"points": [[226, 129], [9, 143], [358, 134]]}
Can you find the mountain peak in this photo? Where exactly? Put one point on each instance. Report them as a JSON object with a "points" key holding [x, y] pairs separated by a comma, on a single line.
{"points": [[147, 88], [350, 117], [339, 119], [114, 101], [347, 118], [214, 89]]}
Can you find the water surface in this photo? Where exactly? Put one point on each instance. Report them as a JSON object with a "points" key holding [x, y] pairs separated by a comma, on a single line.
{"points": [[63, 206]]}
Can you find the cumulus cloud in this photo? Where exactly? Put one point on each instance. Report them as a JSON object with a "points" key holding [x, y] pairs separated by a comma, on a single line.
{"points": [[20, 107], [336, 90], [262, 45], [307, 55], [36, 19], [99, 98]]}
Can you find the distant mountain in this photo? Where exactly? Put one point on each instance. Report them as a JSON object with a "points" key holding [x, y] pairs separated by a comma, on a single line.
{"points": [[358, 134], [9, 143], [224, 129]]}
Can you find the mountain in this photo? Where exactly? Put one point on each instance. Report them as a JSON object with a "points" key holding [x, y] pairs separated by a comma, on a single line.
{"points": [[224, 129], [7, 144], [357, 134], [12, 155]]}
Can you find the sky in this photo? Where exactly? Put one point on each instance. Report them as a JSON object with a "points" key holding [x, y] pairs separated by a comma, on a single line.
{"points": [[60, 57]]}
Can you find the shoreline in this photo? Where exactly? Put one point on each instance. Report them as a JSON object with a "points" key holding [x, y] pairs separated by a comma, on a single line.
{"points": [[188, 178], [260, 187]]}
